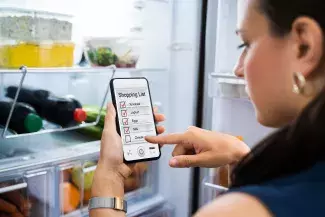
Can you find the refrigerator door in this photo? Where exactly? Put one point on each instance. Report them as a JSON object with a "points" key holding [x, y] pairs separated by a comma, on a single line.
{"points": [[227, 108]]}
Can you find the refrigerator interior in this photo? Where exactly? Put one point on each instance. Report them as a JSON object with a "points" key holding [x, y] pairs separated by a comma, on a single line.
{"points": [[49, 169], [227, 106]]}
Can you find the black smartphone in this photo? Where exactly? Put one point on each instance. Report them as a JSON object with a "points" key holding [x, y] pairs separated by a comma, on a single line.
{"points": [[135, 118]]}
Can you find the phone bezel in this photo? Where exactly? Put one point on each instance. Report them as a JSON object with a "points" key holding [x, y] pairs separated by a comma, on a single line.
{"points": [[117, 117]]}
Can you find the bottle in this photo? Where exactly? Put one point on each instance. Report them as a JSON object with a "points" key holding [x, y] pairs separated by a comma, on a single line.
{"points": [[64, 111], [23, 120]]}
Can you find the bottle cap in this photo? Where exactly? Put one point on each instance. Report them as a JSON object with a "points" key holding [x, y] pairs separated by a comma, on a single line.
{"points": [[33, 123], [79, 115]]}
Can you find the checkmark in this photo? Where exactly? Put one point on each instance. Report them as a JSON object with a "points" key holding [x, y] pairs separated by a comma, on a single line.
{"points": [[123, 104], [125, 121], [126, 130], [124, 113]]}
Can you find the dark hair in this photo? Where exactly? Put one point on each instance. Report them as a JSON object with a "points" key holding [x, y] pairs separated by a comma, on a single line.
{"points": [[301, 144]]}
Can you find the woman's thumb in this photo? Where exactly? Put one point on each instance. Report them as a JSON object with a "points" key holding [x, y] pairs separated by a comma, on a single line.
{"points": [[184, 161]]}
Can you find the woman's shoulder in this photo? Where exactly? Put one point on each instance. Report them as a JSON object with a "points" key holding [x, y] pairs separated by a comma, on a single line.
{"points": [[299, 195], [296, 195], [233, 205]]}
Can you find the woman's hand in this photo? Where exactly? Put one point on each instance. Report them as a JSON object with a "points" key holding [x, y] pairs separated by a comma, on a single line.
{"points": [[202, 148], [111, 163], [111, 171]]}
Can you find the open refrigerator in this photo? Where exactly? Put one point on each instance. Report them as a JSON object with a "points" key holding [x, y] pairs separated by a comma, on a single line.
{"points": [[227, 107], [47, 172]]}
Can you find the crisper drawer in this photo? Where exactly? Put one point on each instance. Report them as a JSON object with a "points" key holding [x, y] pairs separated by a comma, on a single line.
{"points": [[28, 195], [70, 189]]}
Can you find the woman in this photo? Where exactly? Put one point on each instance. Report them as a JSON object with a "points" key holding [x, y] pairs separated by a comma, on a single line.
{"points": [[283, 62]]}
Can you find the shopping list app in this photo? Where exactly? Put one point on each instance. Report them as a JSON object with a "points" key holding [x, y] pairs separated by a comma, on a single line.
{"points": [[136, 120]]}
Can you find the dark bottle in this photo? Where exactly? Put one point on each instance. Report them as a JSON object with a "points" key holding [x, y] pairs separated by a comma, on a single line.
{"points": [[64, 111], [24, 118]]}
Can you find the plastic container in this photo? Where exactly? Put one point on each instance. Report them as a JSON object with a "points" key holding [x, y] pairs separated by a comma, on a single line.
{"points": [[122, 52], [35, 39]]}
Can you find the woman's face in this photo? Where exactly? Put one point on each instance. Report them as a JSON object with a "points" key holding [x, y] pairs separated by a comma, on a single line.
{"points": [[266, 63]]}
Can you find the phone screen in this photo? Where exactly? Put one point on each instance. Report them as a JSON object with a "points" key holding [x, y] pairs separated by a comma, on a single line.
{"points": [[135, 117]]}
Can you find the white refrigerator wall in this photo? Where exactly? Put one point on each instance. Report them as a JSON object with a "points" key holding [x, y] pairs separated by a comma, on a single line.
{"points": [[175, 184], [237, 117]]}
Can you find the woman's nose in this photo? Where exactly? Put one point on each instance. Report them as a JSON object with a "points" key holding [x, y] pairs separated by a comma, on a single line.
{"points": [[239, 72], [239, 67]]}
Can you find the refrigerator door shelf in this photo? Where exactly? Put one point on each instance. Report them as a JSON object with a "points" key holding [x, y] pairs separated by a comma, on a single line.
{"points": [[227, 86], [210, 190]]}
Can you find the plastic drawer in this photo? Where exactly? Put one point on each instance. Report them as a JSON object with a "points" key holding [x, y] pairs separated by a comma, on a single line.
{"points": [[75, 185], [28, 195], [70, 189], [88, 170], [136, 181]]}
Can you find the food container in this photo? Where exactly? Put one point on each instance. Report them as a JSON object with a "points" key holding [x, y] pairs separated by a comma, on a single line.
{"points": [[122, 52], [35, 39]]}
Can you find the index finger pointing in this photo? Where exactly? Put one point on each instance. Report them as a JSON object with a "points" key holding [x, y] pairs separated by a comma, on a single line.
{"points": [[175, 138]]}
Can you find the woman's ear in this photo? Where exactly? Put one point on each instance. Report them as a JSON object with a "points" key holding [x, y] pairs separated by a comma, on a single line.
{"points": [[308, 44]]}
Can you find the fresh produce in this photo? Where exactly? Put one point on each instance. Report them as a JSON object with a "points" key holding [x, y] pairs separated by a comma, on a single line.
{"points": [[66, 175], [92, 131], [7, 207], [103, 56], [70, 197], [87, 196], [88, 177], [92, 113], [16, 198]]}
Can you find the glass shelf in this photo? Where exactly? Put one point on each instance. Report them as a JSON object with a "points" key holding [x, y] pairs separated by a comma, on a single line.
{"points": [[79, 79], [78, 70]]}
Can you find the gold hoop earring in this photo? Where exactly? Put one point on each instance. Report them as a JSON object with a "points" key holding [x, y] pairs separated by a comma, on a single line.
{"points": [[299, 83]]}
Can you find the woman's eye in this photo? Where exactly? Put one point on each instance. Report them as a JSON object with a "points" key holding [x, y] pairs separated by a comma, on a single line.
{"points": [[243, 45]]}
